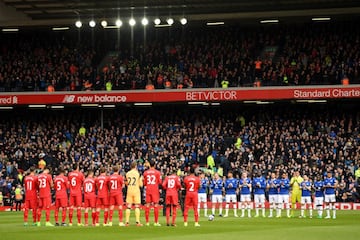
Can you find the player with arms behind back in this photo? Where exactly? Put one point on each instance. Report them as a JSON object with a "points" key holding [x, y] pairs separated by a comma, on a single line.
{"points": [[116, 182], [152, 180], [102, 186], [61, 200], [31, 201], [330, 183], [45, 184], [172, 186], [90, 198], [76, 180], [192, 184], [133, 182]]}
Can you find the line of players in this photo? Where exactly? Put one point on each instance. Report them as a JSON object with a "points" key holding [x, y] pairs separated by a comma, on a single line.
{"points": [[105, 192], [279, 190]]}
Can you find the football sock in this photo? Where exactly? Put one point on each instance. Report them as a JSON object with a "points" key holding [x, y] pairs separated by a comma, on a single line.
{"points": [[168, 214], [106, 216], [205, 209], [127, 215], [79, 215], [26, 214], [137, 215], [147, 213], [226, 209], [39, 215], [213, 211], [71, 211], [97, 216], [174, 214], [93, 217], [111, 213], [334, 210], [47, 214], [86, 216], [63, 217], [196, 214], [220, 209], [120, 215], [156, 213], [56, 215], [186, 212], [34, 215]]}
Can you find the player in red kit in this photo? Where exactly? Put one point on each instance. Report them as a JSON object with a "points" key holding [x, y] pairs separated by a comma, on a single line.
{"points": [[116, 184], [31, 201], [152, 180], [61, 184], [192, 184], [45, 183], [102, 186], [76, 179], [172, 185], [90, 198]]}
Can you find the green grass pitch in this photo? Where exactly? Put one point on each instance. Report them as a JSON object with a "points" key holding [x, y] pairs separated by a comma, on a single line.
{"points": [[346, 226]]}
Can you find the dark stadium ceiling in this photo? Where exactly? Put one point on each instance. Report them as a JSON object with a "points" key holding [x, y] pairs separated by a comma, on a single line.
{"points": [[50, 12]]}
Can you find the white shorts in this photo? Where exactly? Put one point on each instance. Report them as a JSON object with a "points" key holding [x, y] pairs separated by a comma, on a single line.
{"points": [[318, 201], [330, 198], [283, 198], [216, 199], [230, 198], [305, 200], [202, 197], [259, 198], [273, 198], [245, 198]]}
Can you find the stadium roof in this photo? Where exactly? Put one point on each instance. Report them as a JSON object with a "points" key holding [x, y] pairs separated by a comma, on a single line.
{"points": [[55, 12]]}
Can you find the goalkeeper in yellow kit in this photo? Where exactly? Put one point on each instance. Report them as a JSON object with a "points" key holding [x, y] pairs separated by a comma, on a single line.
{"points": [[295, 183]]}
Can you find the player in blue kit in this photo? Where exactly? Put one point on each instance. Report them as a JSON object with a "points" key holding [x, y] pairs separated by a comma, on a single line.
{"points": [[216, 186], [245, 194], [283, 197], [319, 195], [273, 189], [231, 187], [330, 184], [204, 183], [259, 186], [306, 196]]}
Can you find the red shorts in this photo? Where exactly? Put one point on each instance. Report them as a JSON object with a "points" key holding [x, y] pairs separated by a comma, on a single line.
{"points": [[90, 202], [31, 203], [45, 202], [102, 201], [172, 200], [152, 197], [191, 200], [116, 200], [61, 202], [75, 201]]}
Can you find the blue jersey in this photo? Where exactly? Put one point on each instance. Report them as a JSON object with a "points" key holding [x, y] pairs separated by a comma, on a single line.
{"points": [[245, 189], [216, 186], [231, 185], [319, 191], [203, 185], [284, 186], [259, 185], [273, 186], [306, 192], [329, 184]]}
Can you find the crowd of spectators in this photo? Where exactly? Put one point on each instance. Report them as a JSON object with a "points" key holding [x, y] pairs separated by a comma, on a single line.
{"points": [[273, 139], [222, 57]]}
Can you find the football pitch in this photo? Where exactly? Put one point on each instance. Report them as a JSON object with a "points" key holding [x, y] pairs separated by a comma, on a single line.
{"points": [[346, 226]]}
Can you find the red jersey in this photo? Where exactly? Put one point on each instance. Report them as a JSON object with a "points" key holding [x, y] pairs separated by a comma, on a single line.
{"points": [[89, 188], [152, 180], [192, 184], [102, 185], [61, 186], [116, 182], [44, 182], [172, 185], [31, 187], [76, 180]]}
